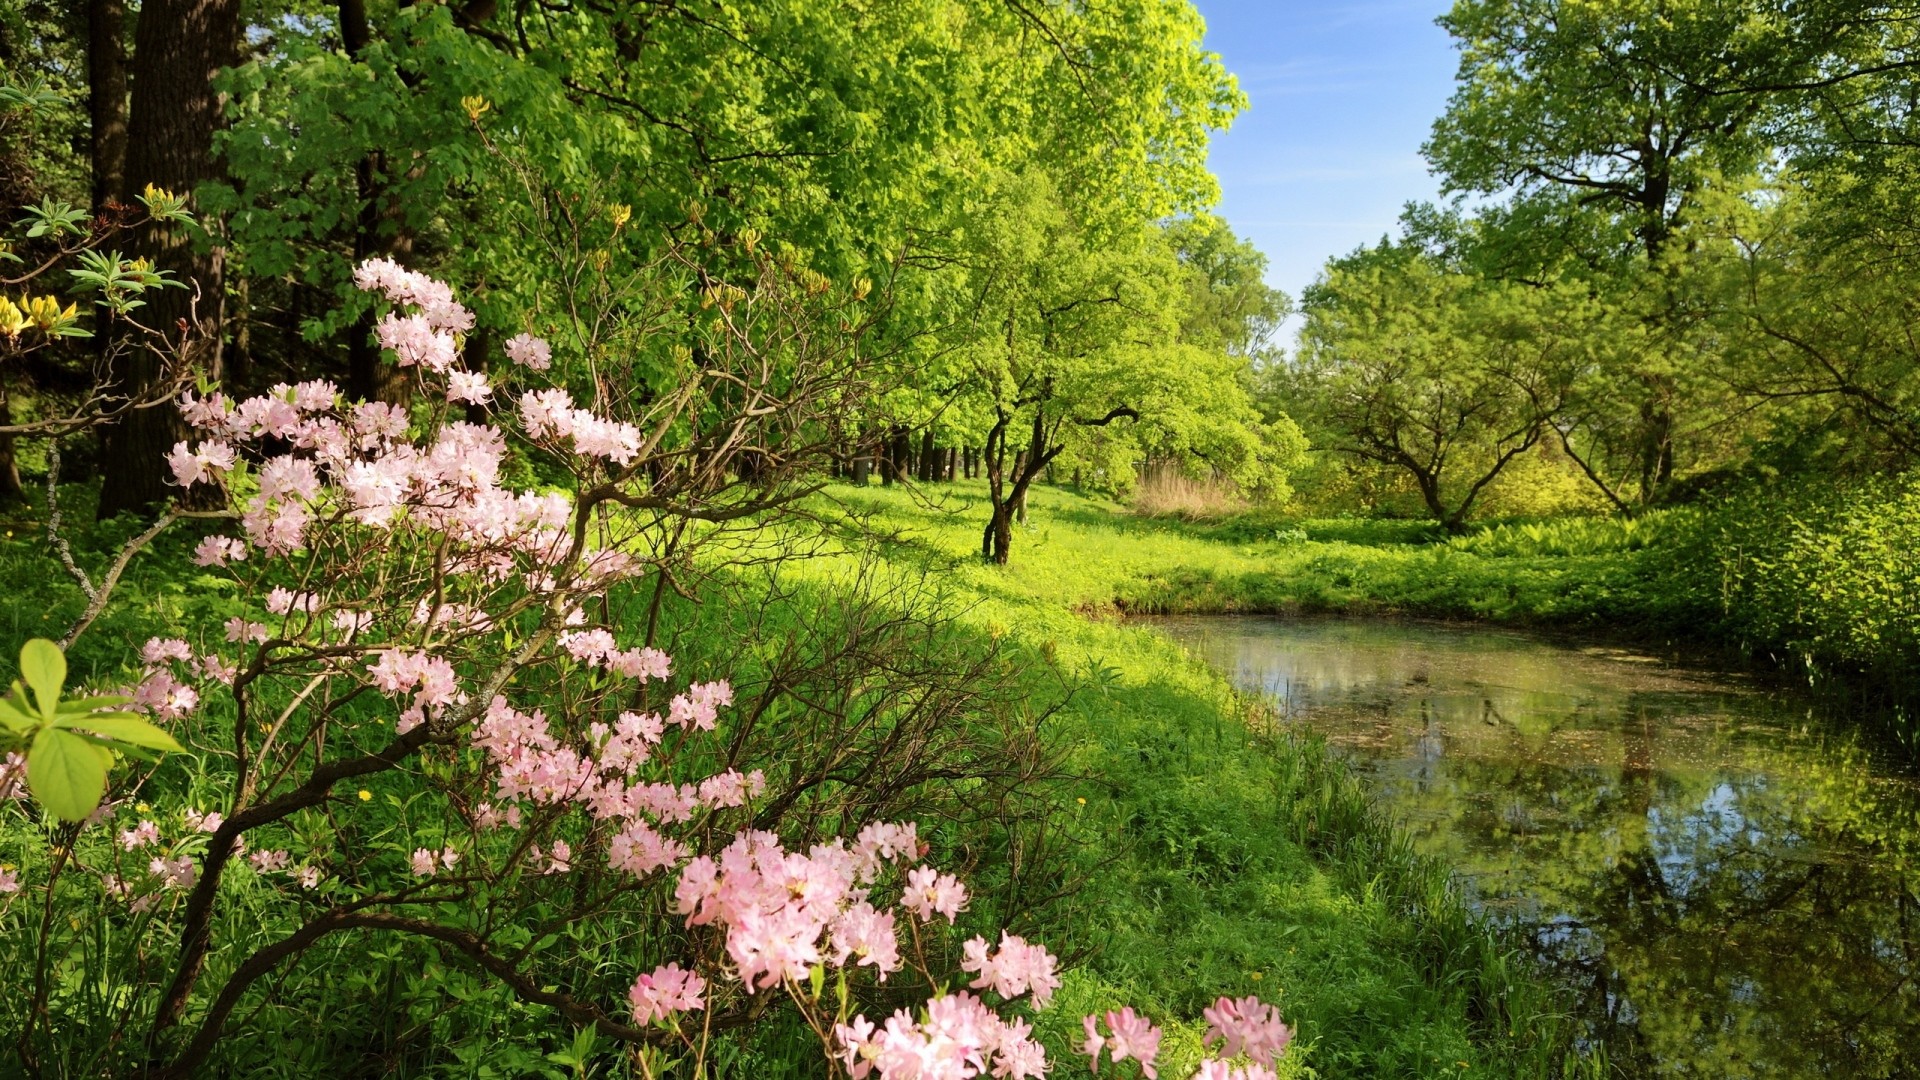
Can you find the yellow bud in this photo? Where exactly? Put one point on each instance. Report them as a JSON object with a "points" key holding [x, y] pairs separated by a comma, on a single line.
{"points": [[621, 213], [476, 107], [44, 311], [365, 794], [12, 319]]}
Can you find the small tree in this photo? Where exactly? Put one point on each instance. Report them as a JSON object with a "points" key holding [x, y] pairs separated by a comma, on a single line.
{"points": [[1439, 374]]}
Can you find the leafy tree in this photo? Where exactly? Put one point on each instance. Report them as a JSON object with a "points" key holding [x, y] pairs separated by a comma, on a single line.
{"points": [[1440, 374], [1634, 112]]}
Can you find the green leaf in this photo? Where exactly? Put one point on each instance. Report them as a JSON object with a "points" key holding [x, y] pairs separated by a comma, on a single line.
{"points": [[14, 718], [44, 667], [89, 704], [67, 775], [121, 727]]}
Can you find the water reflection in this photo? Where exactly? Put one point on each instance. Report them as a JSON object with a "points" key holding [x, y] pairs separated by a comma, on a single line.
{"points": [[1732, 889]]}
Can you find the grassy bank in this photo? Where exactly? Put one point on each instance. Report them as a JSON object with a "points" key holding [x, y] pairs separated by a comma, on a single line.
{"points": [[1821, 581]]}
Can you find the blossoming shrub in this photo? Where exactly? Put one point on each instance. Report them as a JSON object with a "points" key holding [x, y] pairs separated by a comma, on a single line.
{"points": [[641, 851]]}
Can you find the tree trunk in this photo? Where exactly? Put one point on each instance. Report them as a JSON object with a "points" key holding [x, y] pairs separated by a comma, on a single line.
{"points": [[377, 233], [178, 47], [107, 99], [11, 489], [929, 457]]}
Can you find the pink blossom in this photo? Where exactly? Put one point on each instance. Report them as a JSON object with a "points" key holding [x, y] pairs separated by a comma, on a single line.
{"points": [[643, 663], [162, 650], [208, 412], [865, 932], [217, 669], [140, 836], [267, 862], [175, 873], [529, 352], [281, 601], [468, 386], [315, 395], [205, 462], [415, 341], [588, 646], [1247, 1026], [1013, 969], [665, 991], [546, 413], [239, 629], [286, 476], [309, 877], [9, 881], [1129, 1035], [639, 850], [208, 822], [698, 707], [930, 892], [219, 551], [266, 415], [164, 696], [731, 788]]}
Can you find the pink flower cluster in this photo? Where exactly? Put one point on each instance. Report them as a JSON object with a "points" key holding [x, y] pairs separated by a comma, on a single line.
{"points": [[597, 647], [1247, 1026], [424, 339], [664, 991], [1013, 969], [530, 352], [550, 415], [785, 912], [160, 692], [960, 1038], [426, 862], [1129, 1035]]}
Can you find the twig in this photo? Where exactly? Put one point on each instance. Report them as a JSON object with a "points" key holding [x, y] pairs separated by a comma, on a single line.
{"points": [[59, 542]]}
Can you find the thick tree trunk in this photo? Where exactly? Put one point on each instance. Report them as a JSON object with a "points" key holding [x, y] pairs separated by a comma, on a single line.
{"points": [[929, 457], [107, 99], [178, 47]]}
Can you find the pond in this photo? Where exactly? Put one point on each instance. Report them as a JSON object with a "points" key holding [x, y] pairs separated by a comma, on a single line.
{"points": [[1728, 884]]}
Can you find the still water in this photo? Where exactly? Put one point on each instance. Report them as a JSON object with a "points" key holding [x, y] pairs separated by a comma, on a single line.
{"points": [[1730, 885]]}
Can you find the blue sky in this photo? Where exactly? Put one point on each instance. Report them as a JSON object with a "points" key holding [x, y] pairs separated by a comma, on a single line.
{"points": [[1342, 97]]}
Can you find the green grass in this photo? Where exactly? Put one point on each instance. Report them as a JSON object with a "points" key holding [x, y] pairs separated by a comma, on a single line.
{"points": [[1090, 554]]}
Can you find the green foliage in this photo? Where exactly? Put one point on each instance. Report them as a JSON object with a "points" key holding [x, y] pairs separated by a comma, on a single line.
{"points": [[69, 745]]}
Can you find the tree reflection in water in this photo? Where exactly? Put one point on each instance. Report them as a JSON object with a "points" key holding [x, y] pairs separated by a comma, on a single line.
{"points": [[1729, 885]]}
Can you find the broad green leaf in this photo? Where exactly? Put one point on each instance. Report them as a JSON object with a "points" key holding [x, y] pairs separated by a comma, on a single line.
{"points": [[121, 727], [67, 775], [44, 667], [89, 704]]}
